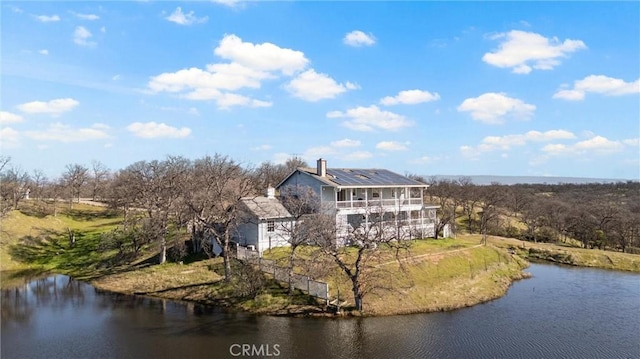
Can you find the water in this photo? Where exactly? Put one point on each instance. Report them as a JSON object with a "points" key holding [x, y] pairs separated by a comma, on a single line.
{"points": [[560, 313]]}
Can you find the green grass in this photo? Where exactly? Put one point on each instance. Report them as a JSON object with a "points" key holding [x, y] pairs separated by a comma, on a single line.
{"points": [[38, 243]]}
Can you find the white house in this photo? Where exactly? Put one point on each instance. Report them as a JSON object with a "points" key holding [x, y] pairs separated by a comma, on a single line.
{"points": [[361, 197], [264, 223]]}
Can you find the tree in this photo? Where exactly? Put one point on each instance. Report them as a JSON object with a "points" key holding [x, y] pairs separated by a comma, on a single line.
{"points": [[155, 187], [490, 198], [469, 196], [14, 184], [213, 195], [444, 193], [100, 176], [38, 181], [74, 178], [355, 247], [300, 202], [532, 213]]}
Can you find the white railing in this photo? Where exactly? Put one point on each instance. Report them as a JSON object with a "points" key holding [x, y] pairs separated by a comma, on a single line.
{"points": [[393, 202]]}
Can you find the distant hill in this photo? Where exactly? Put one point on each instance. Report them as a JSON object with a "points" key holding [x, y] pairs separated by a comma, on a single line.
{"points": [[509, 180]]}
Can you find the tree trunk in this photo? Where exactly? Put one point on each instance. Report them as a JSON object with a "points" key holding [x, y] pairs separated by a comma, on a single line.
{"points": [[291, 263], [163, 249], [227, 260], [357, 295]]}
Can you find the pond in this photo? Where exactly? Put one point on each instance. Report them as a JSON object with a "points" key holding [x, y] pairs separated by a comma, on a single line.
{"points": [[561, 312]]}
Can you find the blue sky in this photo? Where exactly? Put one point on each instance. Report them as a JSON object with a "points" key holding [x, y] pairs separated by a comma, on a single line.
{"points": [[496, 88]]}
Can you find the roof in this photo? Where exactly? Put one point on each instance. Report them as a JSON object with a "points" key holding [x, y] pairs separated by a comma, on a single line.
{"points": [[353, 177], [265, 208]]}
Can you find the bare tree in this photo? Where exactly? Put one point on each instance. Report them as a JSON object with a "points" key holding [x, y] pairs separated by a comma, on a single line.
{"points": [[99, 177], [356, 249], [38, 181], [155, 187], [445, 193], [75, 177], [490, 198], [213, 196], [470, 197], [14, 184], [300, 202]]}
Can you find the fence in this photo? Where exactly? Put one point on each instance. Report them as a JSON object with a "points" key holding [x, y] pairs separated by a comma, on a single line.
{"points": [[281, 274]]}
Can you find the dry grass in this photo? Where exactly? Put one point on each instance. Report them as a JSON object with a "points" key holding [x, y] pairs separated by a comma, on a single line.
{"points": [[571, 255]]}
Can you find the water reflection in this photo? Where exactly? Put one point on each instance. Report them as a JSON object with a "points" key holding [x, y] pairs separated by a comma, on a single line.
{"points": [[561, 312]]}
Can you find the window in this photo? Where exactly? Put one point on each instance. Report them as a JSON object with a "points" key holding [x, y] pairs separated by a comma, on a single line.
{"points": [[376, 193], [271, 226]]}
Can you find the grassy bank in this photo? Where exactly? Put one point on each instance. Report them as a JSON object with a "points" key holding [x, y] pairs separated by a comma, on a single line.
{"points": [[570, 255], [32, 243], [433, 275]]}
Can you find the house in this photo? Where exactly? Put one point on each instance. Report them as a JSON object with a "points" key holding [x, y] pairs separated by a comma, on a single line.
{"points": [[363, 197], [264, 223]]}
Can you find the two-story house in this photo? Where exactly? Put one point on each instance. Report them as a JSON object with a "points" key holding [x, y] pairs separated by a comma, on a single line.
{"points": [[363, 197]]}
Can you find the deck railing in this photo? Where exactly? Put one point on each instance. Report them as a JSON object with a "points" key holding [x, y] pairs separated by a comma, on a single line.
{"points": [[392, 202]]}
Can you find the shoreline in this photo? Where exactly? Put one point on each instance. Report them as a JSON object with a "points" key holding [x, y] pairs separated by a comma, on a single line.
{"points": [[436, 281]]}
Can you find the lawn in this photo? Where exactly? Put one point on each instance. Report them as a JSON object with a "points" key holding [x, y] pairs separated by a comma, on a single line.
{"points": [[32, 242]]}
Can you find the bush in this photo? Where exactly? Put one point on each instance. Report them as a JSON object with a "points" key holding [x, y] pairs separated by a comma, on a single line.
{"points": [[248, 281]]}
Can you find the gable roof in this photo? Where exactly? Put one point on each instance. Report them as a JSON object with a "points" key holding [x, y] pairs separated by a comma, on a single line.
{"points": [[265, 207], [356, 177]]}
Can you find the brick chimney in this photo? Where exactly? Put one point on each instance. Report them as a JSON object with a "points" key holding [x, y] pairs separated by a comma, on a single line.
{"points": [[322, 168]]}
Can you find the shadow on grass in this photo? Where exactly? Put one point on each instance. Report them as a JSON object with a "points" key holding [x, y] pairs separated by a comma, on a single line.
{"points": [[85, 215]]}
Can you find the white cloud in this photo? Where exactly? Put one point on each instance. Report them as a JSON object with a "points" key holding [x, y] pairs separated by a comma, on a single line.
{"points": [[523, 51], [157, 130], [116, 77], [229, 3], [345, 143], [261, 148], [597, 144], [244, 72], [227, 100], [219, 76], [189, 18], [357, 156], [600, 84], [370, 118], [391, 146], [632, 142], [16, 9], [8, 117], [410, 97], [54, 107], [193, 111], [492, 108], [505, 143], [424, 160], [261, 57], [81, 36], [358, 38], [316, 152], [90, 17], [9, 138], [313, 86], [65, 133], [47, 18], [103, 30], [43, 52]]}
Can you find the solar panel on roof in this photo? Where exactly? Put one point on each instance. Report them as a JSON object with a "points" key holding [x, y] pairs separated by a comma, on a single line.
{"points": [[351, 177]]}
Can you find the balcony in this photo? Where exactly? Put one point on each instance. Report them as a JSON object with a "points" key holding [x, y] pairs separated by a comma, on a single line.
{"points": [[392, 202]]}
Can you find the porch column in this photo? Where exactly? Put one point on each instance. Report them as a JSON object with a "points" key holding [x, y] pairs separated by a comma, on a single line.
{"points": [[351, 196], [422, 222]]}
